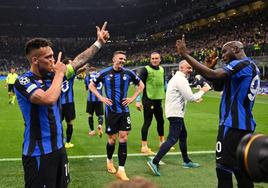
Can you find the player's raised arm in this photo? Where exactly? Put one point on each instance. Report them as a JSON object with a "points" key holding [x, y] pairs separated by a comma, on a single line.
{"points": [[102, 37], [201, 69]]}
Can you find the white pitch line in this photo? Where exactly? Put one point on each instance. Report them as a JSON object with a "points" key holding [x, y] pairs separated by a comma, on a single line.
{"points": [[104, 156]]}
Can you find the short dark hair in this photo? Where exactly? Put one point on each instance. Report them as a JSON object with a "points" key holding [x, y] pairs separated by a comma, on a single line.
{"points": [[119, 52], [66, 61], [36, 43]]}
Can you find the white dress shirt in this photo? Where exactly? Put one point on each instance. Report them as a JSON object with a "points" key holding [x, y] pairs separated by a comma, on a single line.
{"points": [[177, 94]]}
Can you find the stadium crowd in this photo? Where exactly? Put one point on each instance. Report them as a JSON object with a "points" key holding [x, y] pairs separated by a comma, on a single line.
{"points": [[255, 39]]}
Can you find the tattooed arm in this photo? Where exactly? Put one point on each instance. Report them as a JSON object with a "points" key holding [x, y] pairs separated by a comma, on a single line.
{"points": [[88, 54]]}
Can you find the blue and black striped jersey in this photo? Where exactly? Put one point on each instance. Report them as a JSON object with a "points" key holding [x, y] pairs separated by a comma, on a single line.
{"points": [[67, 91], [43, 132], [91, 97], [116, 84], [239, 93]]}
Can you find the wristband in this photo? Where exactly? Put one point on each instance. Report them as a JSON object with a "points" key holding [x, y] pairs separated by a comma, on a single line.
{"points": [[138, 99], [97, 44]]}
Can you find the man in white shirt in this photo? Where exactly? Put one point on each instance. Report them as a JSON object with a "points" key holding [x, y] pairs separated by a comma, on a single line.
{"points": [[177, 94]]}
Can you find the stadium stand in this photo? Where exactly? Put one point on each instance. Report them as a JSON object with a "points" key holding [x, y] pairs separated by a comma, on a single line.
{"points": [[160, 30]]}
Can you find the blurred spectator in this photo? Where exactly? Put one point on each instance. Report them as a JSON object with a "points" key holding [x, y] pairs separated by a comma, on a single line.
{"points": [[254, 38]]}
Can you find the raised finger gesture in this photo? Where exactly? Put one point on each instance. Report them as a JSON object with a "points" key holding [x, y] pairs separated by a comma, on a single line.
{"points": [[102, 34], [59, 67], [59, 57], [181, 46]]}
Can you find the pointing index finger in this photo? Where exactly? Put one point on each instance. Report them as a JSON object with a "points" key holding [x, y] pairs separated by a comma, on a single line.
{"points": [[104, 26], [59, 57]]}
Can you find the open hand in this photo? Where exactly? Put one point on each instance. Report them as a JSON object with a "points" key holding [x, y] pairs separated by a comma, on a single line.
{"points": [[211, 60]]}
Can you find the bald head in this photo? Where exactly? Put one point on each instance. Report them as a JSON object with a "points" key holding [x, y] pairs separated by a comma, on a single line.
{"points": [[185, 67], [183, 63]]}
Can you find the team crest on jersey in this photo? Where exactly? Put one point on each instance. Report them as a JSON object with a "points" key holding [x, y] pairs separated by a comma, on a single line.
{"points": [[111, 75], [124, 77], [24, 80]]}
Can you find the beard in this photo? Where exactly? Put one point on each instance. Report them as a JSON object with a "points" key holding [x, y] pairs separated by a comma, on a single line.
{"points": [[231, 58], [46, 74]]}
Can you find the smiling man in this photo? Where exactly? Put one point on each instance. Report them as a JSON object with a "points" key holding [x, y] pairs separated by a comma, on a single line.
{"points": [[116, 80], [177, 95]]}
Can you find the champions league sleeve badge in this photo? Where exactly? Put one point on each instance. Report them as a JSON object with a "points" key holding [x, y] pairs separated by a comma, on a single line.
{"points": [[24, 81]]}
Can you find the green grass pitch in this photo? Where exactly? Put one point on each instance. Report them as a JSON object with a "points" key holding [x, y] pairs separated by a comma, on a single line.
{"points": [[90, 171]]}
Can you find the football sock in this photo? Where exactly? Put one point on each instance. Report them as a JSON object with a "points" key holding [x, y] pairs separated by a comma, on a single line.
{"points": [[110, 150], [224, 178], [122, 154], [69, 132], [100, 120], [90, 123]]}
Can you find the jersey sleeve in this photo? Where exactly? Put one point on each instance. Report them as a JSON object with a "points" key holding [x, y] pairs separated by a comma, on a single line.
{"points": [[25, 86], [97, 79], [235, 66], [134, 78], [142, 74]]}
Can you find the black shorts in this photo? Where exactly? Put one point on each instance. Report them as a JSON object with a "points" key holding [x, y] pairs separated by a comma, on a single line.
{"points": [[68, 112], [51, 170], [95, 106], [116, 122], [10, 88], [227, 142]]}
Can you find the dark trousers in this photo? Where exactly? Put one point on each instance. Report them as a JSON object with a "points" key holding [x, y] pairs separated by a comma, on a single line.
{"points": [[151, 108], [177, 131]]}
